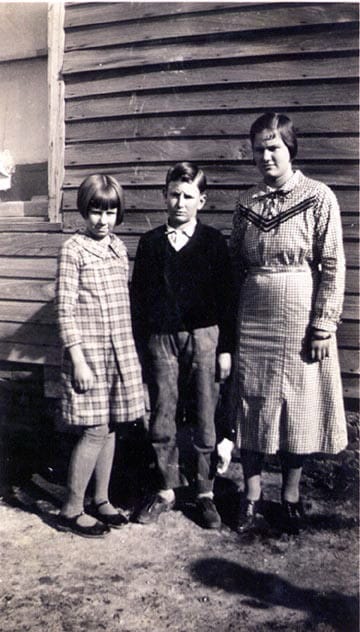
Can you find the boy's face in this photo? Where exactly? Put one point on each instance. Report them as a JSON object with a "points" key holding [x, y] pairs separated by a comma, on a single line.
{"points": [[183, 201]]}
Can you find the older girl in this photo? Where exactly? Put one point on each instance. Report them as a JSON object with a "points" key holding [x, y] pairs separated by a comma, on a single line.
{"points": [[101, 375], [288, 252]]}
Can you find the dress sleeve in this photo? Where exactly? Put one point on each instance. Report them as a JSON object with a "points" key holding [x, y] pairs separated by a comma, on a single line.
{"points": [[236, 249], [66, 296], [330, 252]]}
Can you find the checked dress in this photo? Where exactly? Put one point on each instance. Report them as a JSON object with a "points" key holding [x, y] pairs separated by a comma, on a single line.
{"points": [[288, 255], [92, 301]]}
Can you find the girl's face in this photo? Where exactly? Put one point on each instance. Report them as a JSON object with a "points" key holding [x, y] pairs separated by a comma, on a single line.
{"points": [[100, 222], [272, 157]]}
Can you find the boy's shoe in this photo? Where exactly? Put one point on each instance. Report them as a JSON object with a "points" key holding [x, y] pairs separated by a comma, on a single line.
{"points": [[293, 516], [208, 514], [152, 508], [249, 515], [97, 530]]}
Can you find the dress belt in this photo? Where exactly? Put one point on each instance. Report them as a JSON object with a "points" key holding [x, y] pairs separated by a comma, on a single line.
{"points": [[280, 268]]}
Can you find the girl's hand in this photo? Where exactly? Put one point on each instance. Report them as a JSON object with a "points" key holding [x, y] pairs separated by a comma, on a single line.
{"points": [[320, 345], [83, 377], [224, 365]]}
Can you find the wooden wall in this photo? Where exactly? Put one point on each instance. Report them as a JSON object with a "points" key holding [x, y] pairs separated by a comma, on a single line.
{"points": [[147, 84]]}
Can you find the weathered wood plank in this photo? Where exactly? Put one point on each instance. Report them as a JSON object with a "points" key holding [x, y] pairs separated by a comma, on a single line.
{"points": [[352, 280], [229, 124], [218, 150], [14, 267], [264, 44], [351, 386], [231, 175], [348, 335], [141, 203], [26, 289], [39, 334], [30, 353], [218, 23], [351, 307], [349, 361], [30, 245], [19, 311], [233, 98], [104, 13], [298, 70]]}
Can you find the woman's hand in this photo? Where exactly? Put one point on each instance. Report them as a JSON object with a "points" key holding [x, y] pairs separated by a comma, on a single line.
{"points": [[224, 365], [320, 345]]}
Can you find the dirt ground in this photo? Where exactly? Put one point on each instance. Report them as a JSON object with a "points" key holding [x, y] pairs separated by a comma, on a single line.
{"points": [[175, 576]]}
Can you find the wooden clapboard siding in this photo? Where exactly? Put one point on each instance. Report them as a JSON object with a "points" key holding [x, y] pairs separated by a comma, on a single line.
{"points": [[151, 83]]}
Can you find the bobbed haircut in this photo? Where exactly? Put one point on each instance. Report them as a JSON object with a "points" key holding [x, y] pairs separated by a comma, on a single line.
{"points": [[186, 172], [280, 122], [101, 192]]}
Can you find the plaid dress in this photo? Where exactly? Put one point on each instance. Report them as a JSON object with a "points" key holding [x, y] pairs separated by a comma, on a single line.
{"points": [[288, 253], [93, 309]]}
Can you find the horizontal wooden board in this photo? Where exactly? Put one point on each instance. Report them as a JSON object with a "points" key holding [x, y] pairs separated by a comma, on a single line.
{"points": [[236, 74], [351, 307], [30, 245], [232, 124], [133, 151], [80, 14], [263, 44], [30, 353], [349, 361], [26, 290], [230, 175], [20, 311], [351, 387], [217, 23], [27, 267], [348, 335], [141, 203], [232, 98]]}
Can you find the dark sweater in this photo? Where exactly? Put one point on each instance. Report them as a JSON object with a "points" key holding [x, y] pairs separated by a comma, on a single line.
{"points": [[185, 290]]}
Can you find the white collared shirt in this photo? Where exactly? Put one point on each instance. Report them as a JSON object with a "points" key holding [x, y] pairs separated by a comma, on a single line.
{"points": [[179, 237]]}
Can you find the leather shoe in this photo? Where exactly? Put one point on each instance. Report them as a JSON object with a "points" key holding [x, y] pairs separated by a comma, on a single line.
{"points": [[97, 530], [152, 508], [293, 516], [115, 520], [250, 512], [208, 514]]}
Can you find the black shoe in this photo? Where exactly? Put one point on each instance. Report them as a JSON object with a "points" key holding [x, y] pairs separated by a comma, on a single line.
{"points": [[249, 515], [208, 514], [116, 520], [152, 509], [293, 516], [98, 530]]}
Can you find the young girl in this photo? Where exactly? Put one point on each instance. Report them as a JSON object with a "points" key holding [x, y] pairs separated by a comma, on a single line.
{"points": [[101, 375]]}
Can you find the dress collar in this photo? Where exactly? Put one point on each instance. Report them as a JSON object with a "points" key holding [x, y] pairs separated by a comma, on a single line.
{"points": [[99, 249]]}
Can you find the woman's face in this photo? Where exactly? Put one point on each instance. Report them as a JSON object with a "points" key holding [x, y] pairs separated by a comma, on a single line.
{"points": [[272, 157]]}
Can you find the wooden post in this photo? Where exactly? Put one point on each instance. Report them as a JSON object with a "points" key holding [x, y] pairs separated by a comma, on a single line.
{"points": [[56, 108]]}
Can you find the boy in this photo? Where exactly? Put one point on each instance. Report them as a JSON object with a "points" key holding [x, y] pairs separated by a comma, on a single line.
{"points": [[183, 322]]}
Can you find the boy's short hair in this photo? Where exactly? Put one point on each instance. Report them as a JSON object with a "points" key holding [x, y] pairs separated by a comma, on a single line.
{"points": [[100, 192], [186, 172], [281, 122]]}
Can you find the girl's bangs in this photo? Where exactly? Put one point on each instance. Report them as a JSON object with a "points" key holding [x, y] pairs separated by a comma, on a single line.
{"points": [[105, 199]]}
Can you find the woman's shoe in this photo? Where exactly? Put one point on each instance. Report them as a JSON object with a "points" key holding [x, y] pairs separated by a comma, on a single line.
{"points": [[249, 515], [115, 520], [293, 516], [97, 530]]}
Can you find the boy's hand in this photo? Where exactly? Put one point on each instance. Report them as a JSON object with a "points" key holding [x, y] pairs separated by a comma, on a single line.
{"points": [[224, 364], [224, 450]]}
